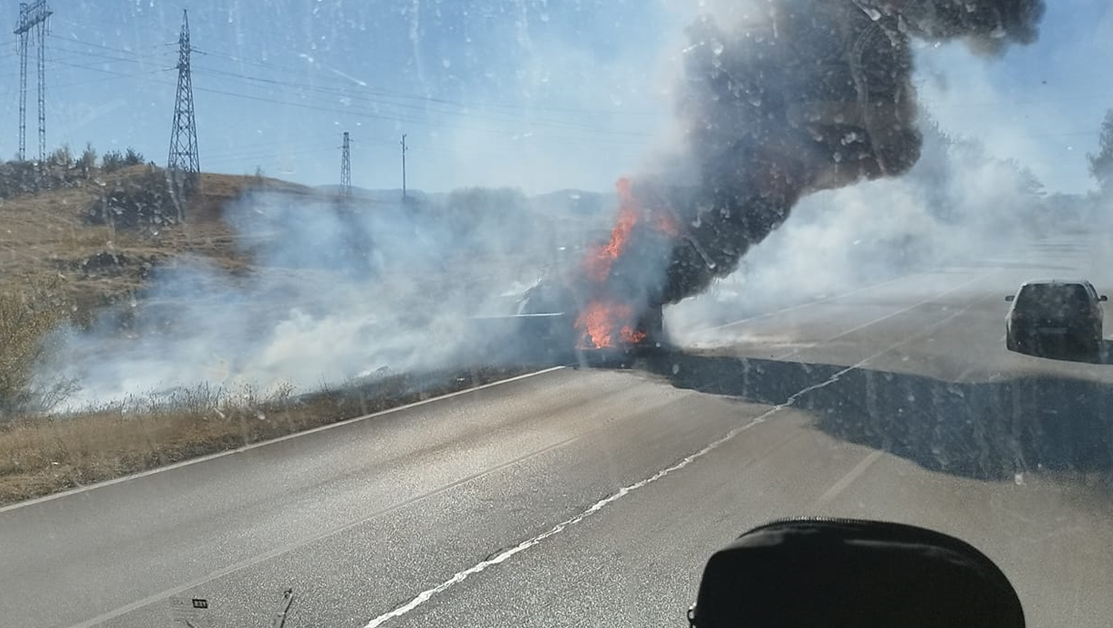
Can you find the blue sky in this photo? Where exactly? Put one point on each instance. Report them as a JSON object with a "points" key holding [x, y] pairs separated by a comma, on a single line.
{"points": [[1041, 104], [537, 94]]}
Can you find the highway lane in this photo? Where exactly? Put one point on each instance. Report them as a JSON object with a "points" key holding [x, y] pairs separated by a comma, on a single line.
{"points": [[1050, 529], [591, 497]]}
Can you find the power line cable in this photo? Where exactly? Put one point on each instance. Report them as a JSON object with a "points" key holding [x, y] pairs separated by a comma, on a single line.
{"points": [[532, 124], [459, 103]]}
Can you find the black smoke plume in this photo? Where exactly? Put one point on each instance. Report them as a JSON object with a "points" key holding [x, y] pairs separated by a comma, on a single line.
{"points": [[808, 95]]}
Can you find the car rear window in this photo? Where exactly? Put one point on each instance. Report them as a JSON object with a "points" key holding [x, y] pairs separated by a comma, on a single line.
{"points": [[1053, 299]]}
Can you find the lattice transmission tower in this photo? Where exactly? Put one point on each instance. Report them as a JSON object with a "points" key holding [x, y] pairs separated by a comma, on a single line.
{"points": [[183, 164], [33, 24]]}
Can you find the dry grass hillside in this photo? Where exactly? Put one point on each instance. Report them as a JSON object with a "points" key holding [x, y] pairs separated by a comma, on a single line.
{"points": [[47, 239], [61, 261]]}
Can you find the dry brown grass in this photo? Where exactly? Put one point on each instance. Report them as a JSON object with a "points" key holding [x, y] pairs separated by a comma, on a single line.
{"points": [[26, 319], [45, 236], [56, 267], [44, 455], [218, 189]]}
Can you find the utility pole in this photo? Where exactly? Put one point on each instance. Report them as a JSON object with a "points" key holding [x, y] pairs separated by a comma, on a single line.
{"points": [[403, 167], [346, 168], [183, 164], [32, 25]]}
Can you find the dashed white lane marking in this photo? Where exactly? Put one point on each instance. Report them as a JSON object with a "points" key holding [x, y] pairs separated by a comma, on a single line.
{"points": [[890, 315], [844, 483], [503, 556], [806, 304]]}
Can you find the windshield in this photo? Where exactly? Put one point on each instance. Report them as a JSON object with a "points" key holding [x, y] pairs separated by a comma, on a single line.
{"points": [[490, 312], [1054, 300]]}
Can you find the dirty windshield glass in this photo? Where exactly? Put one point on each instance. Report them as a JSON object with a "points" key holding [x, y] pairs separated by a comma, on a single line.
{"points": [[513, 312], [1054, 300]]}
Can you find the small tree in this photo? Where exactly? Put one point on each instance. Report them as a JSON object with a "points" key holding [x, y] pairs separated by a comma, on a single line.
{"points": [[112, 160], [61, 157], [88, 159], [1101, 163], [1027, 181], [133, 157]]}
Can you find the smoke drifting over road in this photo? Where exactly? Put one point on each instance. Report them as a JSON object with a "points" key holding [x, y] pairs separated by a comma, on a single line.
{"points": [[806, 95]]}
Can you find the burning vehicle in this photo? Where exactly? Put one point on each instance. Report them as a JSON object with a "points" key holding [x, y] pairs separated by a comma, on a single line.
{"points": [[606, 307], [568, 330]]}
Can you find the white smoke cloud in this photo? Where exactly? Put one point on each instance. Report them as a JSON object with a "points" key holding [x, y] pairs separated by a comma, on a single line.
{"points": [[336, 294], [1033, 126], [956, 204]]}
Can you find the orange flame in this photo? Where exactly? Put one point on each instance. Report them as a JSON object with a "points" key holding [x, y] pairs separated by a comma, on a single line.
{"points": [[632, 336], [604, 318], [598, 263], [601, 319]]}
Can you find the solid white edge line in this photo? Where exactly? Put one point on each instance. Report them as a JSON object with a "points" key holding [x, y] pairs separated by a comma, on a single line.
{"points": [[221, 454]]}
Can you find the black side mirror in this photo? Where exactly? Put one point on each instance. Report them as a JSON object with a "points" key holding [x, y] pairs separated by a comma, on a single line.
{"points": [[1010, 298], [1103, 298], [860, 574]]}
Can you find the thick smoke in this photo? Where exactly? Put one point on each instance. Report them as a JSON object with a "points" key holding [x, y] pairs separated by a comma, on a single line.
{"points": [[815, 95], [955, 207], [327, 293]]}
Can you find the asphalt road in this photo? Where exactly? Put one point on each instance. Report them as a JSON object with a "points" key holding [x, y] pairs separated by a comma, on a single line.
{"points": [[593, 497]]}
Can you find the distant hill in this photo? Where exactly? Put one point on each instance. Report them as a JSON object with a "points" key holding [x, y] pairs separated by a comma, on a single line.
{"points": [[575, 201], [382, 196], [568, 201]]}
